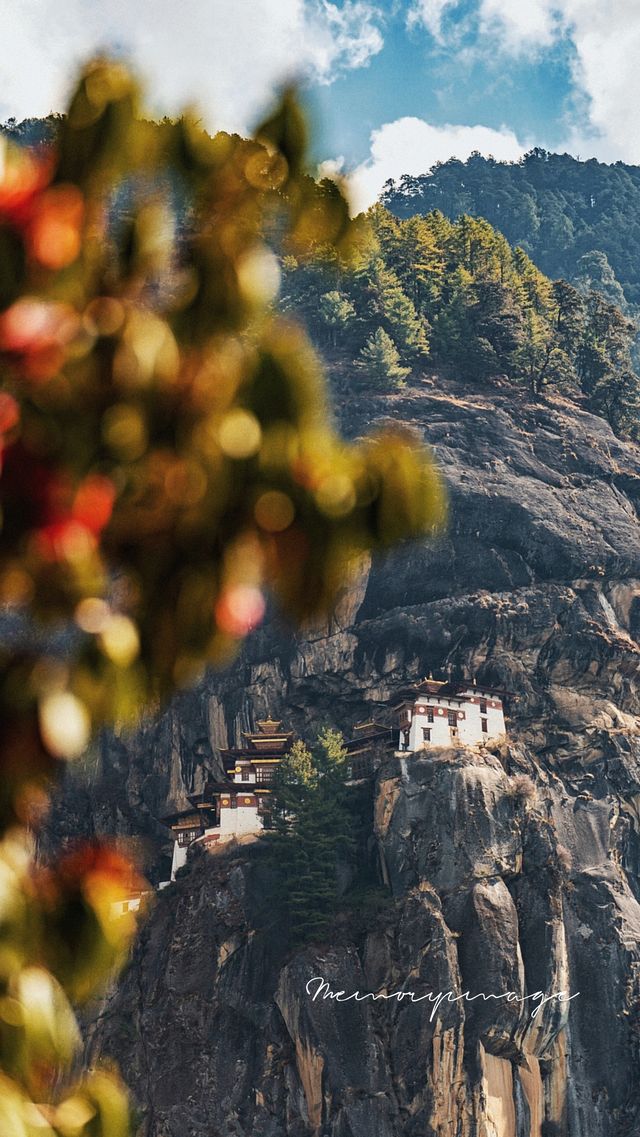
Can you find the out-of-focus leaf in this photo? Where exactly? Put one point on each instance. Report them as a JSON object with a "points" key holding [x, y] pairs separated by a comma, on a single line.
{"points": [[28, 768], [97, 1107], [19, 1116], [410, 498], [94, 144], [320, 216], [167, 460], [286, 131], [286, 386], [84, 936], [39, 1035], [12, 265]]}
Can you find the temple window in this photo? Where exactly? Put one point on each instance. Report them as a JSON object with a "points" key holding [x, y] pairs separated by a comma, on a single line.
{"points": [[186, 836]]}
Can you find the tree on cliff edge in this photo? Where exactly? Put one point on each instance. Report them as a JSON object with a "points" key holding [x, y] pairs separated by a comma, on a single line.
{"points": [[312, 834]]}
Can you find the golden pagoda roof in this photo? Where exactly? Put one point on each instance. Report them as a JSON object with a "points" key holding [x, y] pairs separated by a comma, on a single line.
{"points": [[267, 742], [268, 737], [269, 726]]}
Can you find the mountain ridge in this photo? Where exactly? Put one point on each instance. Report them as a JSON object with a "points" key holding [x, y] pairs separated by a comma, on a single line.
{"points": [[555, 206]]}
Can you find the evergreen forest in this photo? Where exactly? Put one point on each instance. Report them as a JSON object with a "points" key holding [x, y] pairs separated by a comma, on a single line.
{"points": [[429, 293], [578, 220], [526, 272]]}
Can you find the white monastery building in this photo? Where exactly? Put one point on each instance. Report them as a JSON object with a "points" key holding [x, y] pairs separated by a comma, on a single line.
{"points": [[443, 713], [239, 806]]}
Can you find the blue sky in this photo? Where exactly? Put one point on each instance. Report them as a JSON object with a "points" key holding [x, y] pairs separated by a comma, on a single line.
{"points": [[393, 86], [415, 75]]}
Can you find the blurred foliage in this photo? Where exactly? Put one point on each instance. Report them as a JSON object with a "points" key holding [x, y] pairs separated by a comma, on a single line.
{"points": [[167, 459], [168, 455], [59, 942]]}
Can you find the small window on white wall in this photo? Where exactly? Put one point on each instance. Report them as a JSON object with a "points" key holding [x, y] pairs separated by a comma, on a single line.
{"points": [[426, 734], [485, 728]]}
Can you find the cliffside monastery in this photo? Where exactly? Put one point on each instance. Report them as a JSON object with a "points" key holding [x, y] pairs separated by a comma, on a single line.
{"points": [[430, 713]]}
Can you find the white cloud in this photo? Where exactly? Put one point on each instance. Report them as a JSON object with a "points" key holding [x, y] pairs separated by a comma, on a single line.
{"points": [[603, 37], [607, 45], [228, 56], [429, 14], [535, 23], [342, 38], [412, 146]]}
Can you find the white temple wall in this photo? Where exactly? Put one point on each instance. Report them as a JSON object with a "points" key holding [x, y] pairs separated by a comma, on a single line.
{"points": [[496, 723], [440, 734], [242, 819], [247, 819], [468, 727], [179, 858]]}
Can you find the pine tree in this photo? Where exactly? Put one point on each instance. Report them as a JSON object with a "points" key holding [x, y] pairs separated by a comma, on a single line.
{"points": [[312, 834], [595, 274], [616, 396], [605, 368], [569, 315], [487, 308], [337, 313], [381, 361], [397, 310], [606, 342]]}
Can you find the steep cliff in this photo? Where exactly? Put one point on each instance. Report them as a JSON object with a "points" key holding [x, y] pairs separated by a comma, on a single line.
{"points": [[515, 870]]}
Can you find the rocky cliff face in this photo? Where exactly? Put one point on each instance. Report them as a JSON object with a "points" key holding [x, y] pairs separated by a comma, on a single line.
{"points": [[515, 870]]}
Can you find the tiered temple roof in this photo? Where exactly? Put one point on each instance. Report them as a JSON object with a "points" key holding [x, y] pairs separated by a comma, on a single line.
{"points": [[250, 764], [268, 743]]}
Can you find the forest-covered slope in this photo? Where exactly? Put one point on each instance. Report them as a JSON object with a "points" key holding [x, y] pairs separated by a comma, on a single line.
{"points": [[557, 208], [429, 291], [483, 269]]}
